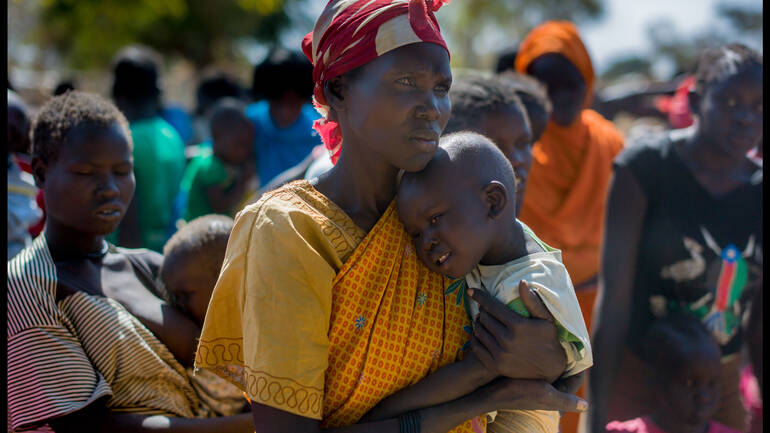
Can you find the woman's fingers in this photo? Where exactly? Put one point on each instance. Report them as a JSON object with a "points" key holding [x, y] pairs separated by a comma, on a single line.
{"points": [[563, 401], [534, 304], [482, 354], [497, 309], [487, 339], [570, 384], [498, 331]]}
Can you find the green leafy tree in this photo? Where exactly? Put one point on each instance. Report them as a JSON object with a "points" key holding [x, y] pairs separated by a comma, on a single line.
{"points": [[89, 32]]}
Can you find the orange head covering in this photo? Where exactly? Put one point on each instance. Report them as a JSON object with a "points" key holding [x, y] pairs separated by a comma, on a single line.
{"points": [[560, 37]]}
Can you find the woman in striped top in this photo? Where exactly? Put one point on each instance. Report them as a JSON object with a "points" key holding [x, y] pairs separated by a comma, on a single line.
{"points": [[91, 347]]}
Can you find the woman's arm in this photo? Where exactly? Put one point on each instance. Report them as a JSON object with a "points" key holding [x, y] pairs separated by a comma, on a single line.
{"points": [[501, 393], [95, 418], [458, 379], [446, 384], [626, 206]]}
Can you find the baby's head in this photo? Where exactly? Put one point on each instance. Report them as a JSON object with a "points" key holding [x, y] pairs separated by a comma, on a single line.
{"points": [[684, 360], [456, 208], [192, 259], [232, 132]]}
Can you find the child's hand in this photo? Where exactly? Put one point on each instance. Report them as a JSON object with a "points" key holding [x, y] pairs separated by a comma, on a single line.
{"points": [[513, 346]]}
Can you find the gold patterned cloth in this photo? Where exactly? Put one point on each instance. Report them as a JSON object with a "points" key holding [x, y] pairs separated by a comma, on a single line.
{"points": [[314, 316]]}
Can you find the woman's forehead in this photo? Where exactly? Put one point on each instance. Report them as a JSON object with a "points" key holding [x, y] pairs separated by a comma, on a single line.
{"points": [[418, 57]]}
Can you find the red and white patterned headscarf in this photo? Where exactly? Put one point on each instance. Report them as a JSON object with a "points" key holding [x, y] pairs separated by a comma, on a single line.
{"points": [[351, 33]]}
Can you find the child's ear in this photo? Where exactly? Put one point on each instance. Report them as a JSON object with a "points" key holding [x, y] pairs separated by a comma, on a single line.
{"points": [[334, 92], [38, 171], [496, 198]]}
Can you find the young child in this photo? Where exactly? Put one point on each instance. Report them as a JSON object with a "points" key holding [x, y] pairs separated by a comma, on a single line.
{"points": [[220, 177], [464, 226], [491, 107], [684, 362], [192, 259]]}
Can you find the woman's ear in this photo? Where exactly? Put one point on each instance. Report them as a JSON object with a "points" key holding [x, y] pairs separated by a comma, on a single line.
{"points": [[334, 92], [496, 198], [38, 171]]}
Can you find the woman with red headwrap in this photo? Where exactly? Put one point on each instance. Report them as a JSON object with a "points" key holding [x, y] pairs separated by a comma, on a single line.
{"points": [[322, 308], [566, 192]]}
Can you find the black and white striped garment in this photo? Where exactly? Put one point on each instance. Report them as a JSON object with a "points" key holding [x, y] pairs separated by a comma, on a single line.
{"points": [[64, 355]]}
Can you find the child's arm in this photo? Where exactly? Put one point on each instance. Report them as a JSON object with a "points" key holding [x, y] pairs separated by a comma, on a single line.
{"points": [[446, 384]]}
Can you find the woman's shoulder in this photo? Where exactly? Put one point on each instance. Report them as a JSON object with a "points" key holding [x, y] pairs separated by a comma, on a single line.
{"points": [[31, 288], [297, 212]]}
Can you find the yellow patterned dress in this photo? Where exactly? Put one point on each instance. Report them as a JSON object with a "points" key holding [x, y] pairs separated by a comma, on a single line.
{"points": [[314, 316]]}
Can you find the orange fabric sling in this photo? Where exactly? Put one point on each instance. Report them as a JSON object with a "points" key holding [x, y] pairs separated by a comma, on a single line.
{"points": [[391, 325]]}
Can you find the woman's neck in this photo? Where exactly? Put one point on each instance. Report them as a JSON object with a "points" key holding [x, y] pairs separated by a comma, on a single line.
{"points": [[67, 244], [361, 184]]}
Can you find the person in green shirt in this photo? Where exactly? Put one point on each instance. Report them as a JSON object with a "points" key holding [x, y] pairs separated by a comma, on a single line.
{"points": [[158, 153], [220, 176]]}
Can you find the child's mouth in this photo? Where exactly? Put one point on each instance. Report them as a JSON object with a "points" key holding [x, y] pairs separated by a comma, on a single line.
{"points": [[443, 258]]}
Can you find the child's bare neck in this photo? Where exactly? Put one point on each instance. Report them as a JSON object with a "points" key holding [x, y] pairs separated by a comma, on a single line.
{"points": [[511, 244]]}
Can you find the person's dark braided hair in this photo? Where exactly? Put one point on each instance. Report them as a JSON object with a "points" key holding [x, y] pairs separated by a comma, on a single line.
{"points": [[204, 236], [475, 97], [669, 339], [716, 64], [61, 114]]}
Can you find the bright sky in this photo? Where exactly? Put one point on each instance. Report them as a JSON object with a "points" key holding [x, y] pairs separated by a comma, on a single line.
{"points": [[623, 28]]}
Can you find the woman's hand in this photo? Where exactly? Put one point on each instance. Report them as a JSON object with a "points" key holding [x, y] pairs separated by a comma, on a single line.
{"points": [[514, 346], [527, 394]]}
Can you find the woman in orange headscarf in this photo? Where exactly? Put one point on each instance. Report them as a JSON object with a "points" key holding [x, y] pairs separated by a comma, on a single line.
{"points": [[566, 192], [322, 308]]}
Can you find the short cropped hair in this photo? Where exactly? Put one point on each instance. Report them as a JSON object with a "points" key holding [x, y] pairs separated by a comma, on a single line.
{"points": [[716, 64], [281, 72], [61, 114], [205, 236], [475, 97], [506, 59]]}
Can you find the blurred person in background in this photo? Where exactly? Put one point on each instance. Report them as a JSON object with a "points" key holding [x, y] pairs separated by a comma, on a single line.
{"points": [[219, 178], [212, 87], [283, 116], [684, 235], [572, 164], [23, 211], [158, 152], [681, 361]]}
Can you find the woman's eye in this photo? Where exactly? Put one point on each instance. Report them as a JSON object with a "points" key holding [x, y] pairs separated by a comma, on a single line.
{"points": [[434, 220], [405, 81]]}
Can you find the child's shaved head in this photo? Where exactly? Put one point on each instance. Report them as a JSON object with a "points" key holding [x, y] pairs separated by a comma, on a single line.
{"points": [[470, 156]]}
